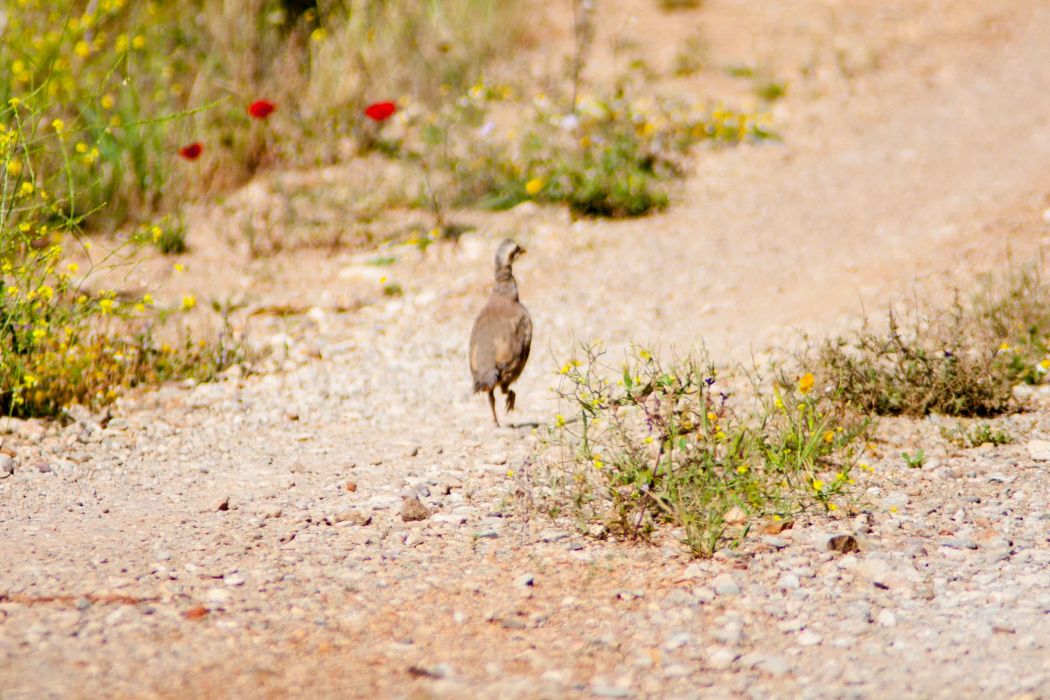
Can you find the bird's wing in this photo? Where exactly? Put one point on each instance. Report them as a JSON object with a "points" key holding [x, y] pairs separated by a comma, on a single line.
{"points": [[524, 331], [515, 341], [482, 347]]}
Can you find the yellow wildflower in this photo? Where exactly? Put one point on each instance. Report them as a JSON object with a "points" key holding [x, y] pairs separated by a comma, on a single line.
{"points": [[1004, 346], [829, 436], [534, 186], [147, 299], [14, 168], [832, 506], [189, 301], [138, 42], [26, 188], [179, 267], [106, 305], [805, 383], [818, 485], [559, 420], [107, 101], [58, 125]]}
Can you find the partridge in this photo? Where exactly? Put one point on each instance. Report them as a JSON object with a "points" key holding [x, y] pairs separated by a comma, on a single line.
{"points": [[502, 334]]}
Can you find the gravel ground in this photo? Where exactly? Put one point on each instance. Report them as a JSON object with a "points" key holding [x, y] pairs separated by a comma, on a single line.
{"points": [[199, 544], [344, 525]]}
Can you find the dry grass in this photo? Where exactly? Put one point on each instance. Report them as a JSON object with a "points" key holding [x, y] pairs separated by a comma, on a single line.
{"points": [[963, 360]]}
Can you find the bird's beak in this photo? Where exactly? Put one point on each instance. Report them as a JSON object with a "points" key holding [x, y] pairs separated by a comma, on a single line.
{"points": [[521, 251]]}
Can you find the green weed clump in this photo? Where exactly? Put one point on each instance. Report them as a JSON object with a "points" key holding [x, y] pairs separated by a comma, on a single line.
{"points": [[960, 361], [669, 444], [607, 157], [975, 435]]}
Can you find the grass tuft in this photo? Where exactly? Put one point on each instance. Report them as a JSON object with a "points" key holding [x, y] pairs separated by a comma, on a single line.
{"points": [[960, 361]]}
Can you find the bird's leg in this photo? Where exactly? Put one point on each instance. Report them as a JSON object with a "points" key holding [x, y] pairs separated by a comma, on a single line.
{"points": [[492, 404], [510, 399]]}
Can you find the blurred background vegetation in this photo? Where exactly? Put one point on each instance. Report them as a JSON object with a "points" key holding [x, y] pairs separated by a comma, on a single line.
{"points": [[115, 115]]}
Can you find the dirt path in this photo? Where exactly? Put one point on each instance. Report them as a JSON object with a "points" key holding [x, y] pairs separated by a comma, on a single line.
{"points": [[926, 167]]}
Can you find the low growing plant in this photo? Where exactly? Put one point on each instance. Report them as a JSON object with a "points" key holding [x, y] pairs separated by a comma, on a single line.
{"points": [[975, 435], [915, 459], [960, 361], [607, 157], [671, 444]]}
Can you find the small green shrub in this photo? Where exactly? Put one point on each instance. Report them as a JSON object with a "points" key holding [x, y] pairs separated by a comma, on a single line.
{"points": [[976, 435], [915, 459], [959, 361], [168, 236], [771, 90], [1016, 308], [669, 444]]}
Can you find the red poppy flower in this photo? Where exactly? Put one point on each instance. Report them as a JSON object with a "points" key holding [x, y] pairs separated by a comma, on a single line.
{"points": [[192, 151], [380, 111], [260, 109]]}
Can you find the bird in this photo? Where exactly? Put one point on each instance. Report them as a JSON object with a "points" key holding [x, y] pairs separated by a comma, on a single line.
{"points": [[502, 335]]}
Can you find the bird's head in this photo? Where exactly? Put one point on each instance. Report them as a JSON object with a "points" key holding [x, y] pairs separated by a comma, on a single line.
{"points": [[507, 253]]}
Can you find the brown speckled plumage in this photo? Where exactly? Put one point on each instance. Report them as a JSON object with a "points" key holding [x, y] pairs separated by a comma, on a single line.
{"points": [[502, 334]]}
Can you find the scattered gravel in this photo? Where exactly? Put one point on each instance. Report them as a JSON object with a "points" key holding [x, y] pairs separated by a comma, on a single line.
{"points": [[354, 522]]}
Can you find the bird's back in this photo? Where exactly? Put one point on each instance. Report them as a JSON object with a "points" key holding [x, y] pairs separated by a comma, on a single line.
{"points": [[499, 343]]}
